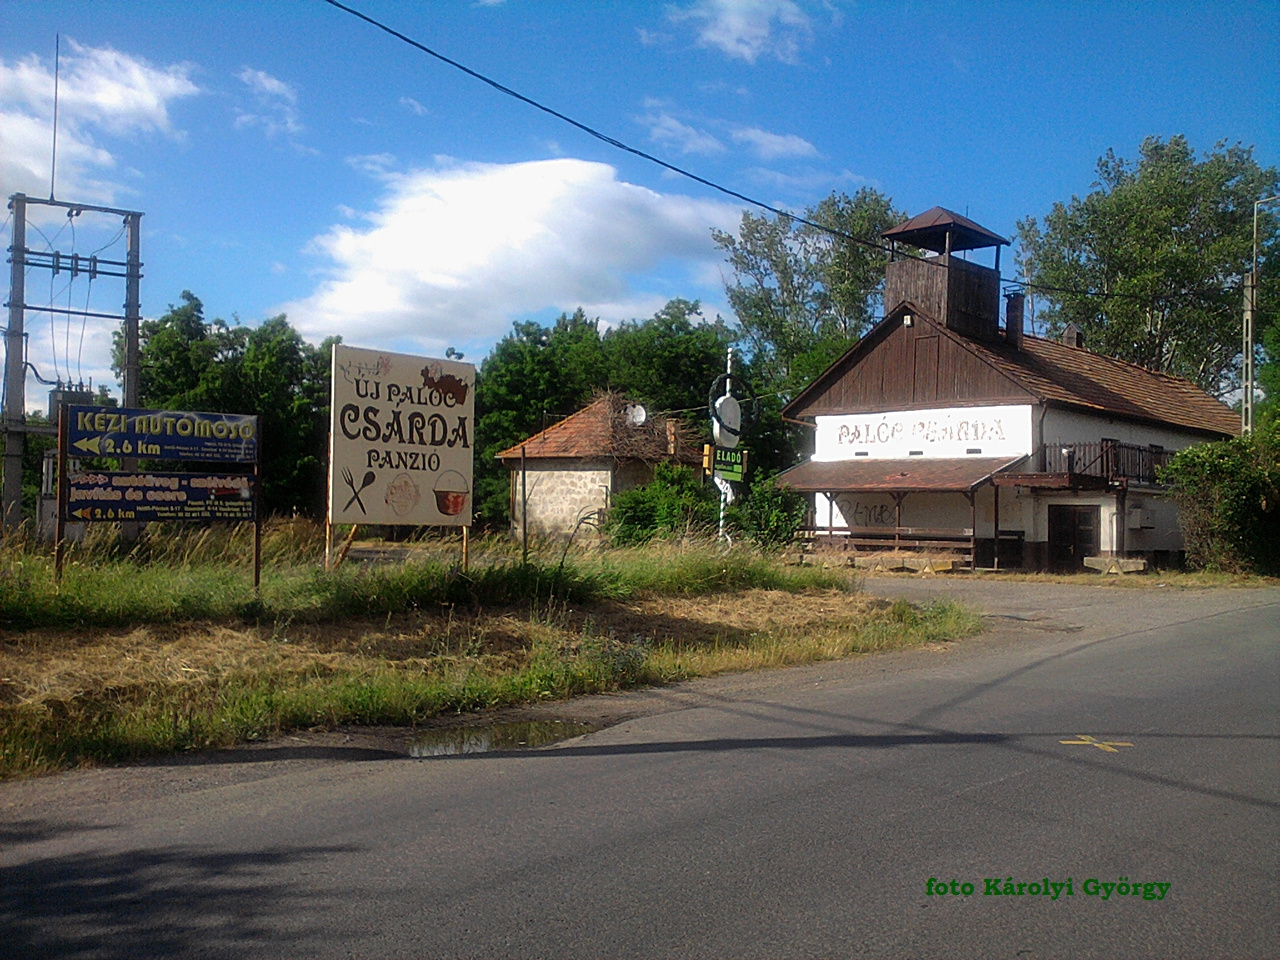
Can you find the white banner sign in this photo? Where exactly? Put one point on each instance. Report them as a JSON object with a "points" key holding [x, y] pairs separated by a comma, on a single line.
{"points": [[400, 437], [954, 432]]}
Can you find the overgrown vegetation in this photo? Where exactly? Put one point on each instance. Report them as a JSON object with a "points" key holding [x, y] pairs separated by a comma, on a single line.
{"points": [[1228, 496], [164, 648], [676, 503], [770, 515]]}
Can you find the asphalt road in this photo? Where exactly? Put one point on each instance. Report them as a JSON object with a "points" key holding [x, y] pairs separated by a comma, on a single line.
{"points": [[800, 813]]}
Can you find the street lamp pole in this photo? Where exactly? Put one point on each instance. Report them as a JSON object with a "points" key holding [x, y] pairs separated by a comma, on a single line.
{"points": [[1250, 304]]}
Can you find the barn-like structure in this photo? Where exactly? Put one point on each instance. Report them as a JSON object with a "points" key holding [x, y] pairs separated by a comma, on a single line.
{"points": [[942, 430]]}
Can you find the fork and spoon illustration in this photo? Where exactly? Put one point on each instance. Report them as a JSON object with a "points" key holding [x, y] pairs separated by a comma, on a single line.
{"points": [[356, 491]]}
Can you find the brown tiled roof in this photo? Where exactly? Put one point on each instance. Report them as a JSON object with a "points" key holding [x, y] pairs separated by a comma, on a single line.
{"points": [[602, 431], [1056, 372], [954, 474]]}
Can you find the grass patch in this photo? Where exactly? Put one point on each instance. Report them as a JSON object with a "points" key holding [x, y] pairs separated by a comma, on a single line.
{"points": [[69, 698]]}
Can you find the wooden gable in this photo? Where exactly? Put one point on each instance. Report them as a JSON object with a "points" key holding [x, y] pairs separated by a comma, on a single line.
{"points": [[899, 367]]}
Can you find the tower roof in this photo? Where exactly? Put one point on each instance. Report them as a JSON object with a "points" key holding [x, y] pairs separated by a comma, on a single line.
{"points": [[929, 230]]}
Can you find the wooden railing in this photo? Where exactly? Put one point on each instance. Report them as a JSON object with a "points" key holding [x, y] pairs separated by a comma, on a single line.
{"points": [[1108, 458]]}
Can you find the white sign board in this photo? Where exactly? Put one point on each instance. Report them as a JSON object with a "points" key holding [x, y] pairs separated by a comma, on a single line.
{"points": [[400, 435], [1003, 431]]}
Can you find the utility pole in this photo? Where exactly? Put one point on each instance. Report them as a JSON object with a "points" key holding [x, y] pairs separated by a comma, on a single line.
{"points": [[15, 368], [15, 364], [1246, 399]]}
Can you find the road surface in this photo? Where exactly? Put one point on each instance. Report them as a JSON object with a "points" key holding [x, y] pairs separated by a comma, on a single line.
{"points": [[796, 813]]}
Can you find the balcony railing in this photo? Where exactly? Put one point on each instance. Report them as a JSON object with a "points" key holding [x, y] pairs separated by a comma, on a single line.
{"points": [[1108, 458]]}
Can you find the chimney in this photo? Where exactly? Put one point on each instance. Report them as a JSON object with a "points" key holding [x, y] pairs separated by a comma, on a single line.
{"points": [[1013, 304]]}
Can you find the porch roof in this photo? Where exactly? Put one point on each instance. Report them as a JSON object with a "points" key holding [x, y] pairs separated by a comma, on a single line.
{"points": [[959, 474]]}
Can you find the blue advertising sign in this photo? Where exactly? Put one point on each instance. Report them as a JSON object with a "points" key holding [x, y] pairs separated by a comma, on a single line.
{"points": [[161, 434], [116, 495]]}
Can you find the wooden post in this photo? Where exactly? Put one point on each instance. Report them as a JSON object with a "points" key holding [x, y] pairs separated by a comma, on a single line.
{"points": [[996, 488], [328, 543], [973, 531], [897, 519], [524, 509], [465, 544]]}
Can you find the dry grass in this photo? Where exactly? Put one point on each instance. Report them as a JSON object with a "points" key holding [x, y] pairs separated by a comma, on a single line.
{"points": [[71, 698]]}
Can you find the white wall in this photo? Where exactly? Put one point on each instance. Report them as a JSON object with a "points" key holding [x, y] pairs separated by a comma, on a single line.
{"points": [[1001, 431], [1070, 426]]}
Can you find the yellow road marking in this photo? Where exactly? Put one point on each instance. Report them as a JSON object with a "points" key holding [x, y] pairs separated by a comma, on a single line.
{"points": [[1107, 745]]}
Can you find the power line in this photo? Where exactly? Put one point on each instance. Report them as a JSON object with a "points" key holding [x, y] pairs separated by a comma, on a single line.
{"points": [[627, 148], [605, 138]]}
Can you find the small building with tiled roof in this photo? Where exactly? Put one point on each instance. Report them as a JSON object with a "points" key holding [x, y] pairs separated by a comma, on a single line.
{"points": [[941, 430], [565, 477]]}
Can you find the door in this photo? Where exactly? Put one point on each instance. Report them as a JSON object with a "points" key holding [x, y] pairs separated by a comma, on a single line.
{"points": [[1073, 535]]}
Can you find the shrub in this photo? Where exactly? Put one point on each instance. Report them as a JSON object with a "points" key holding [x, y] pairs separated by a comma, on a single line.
{"points": [[770, 515], [676, 502], [1228, 496]]}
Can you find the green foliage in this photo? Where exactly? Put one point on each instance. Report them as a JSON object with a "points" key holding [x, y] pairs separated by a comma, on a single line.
{"points": [[539, 375], [1228, 496], [802, 296], [532, 378], [770, 515], [676, 502], [668, 361], [189, 363], [1162, 244]]}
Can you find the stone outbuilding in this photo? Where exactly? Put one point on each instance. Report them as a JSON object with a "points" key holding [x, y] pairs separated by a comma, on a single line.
{"points": [[564, 478]]}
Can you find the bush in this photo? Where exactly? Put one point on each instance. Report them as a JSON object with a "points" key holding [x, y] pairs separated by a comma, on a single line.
{"points": [[676, 502], [1228, 496], [770, 515]]}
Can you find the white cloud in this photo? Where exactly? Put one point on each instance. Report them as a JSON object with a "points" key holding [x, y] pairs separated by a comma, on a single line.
{"points": [[101, 91], [276, 105], [455, 252], [670, 132], [774, 146], [414, 105], [749, 29]]}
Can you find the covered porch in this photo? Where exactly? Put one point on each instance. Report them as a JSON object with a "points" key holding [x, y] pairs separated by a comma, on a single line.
{"points": [[914, 506]]}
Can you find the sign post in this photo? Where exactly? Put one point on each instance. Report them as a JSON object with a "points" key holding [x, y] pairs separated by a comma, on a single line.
{"points": [[400, 434], [133, 496]]}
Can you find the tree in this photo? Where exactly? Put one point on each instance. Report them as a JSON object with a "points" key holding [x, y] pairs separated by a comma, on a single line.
{"points": [[538, 375], [1228, 496], [189, 363], [1150, 263], [803, 295], [669, 361], [533, 377]]}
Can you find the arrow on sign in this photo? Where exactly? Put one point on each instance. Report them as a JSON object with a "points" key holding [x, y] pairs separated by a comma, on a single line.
{"points": [[91, 444], [83, 514]]}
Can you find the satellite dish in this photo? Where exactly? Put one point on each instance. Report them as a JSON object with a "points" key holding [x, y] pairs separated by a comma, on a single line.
{"points": [[636, 415], [727, 423]]}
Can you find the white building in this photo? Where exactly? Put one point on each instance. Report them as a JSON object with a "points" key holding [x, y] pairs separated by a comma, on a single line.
{"points": [[941, 431]]}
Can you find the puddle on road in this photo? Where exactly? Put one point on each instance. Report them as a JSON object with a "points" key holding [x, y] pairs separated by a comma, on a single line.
{"points": [[498, 736]]}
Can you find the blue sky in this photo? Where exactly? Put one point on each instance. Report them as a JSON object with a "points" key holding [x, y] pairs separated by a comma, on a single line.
{"points": [[289, 158]]}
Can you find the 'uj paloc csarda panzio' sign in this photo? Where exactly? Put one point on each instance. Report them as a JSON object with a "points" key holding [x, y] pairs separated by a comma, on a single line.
{"points": [[400, 439]]}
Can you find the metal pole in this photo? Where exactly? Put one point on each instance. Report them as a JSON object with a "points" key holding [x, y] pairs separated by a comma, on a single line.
{"points": [[132, 361], [15, 369], [1246, 357]]}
